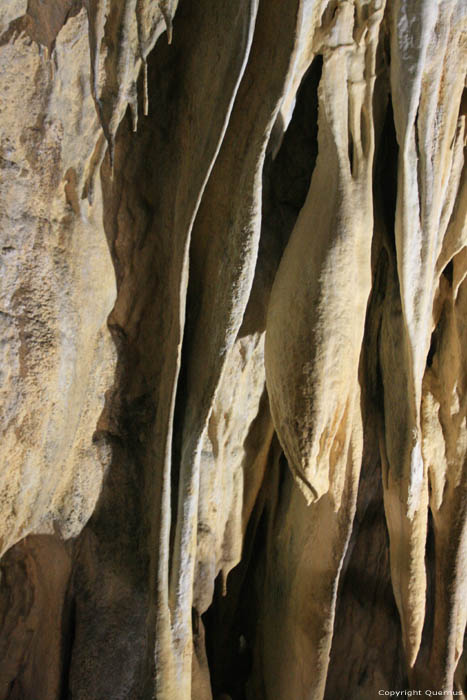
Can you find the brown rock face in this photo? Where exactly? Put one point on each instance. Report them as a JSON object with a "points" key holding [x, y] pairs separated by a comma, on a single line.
{"points": [[233, 349]]}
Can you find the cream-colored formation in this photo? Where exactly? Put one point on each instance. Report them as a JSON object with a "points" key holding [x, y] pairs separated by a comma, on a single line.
{"points": [[57, 289], [428, 50], [209, 325]]}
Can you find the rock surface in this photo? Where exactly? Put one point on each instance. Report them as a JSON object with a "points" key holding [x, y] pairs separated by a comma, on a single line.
{"points": [[233, 349]]}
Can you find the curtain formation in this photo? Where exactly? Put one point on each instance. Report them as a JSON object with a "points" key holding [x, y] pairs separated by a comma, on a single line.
{"points": [[234, 348]]}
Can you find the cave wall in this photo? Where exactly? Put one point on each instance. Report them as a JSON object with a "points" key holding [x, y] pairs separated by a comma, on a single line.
{"points": [[233, 350]]}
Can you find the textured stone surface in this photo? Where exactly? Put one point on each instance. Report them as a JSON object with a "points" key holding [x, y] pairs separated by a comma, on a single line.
{"points": [[233, 360], [57, 289]]}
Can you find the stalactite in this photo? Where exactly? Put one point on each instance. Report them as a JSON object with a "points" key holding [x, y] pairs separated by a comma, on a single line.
{"points": [[426, 49]]}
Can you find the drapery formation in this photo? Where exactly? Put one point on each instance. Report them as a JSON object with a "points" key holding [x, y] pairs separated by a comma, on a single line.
{"points": [[234, 348]]}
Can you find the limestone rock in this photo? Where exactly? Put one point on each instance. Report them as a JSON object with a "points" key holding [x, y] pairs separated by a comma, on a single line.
{"points": [[57, 289], [233, 348]]}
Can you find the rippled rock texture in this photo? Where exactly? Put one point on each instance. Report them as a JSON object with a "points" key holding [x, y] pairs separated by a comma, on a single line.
{"points": [[233, 349]]}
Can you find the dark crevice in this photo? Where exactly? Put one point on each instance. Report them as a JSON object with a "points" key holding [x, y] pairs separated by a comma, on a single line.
{"points": [[286, 181], [367, 628], [15, 691], [351, 150], [427, 638], [420, 156], [365, 126], [69, 631], [289, 174], [449, 271], [385, 187], [231, 622], [419, 672], [433, 347], [373, 381]]}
